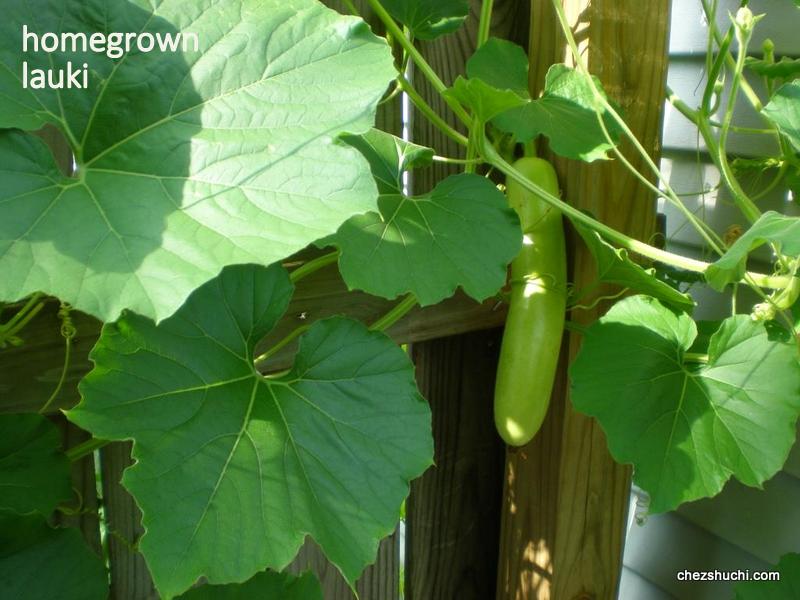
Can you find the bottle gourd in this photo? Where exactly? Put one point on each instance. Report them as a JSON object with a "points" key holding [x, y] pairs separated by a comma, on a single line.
{"points": [[535, 322]]}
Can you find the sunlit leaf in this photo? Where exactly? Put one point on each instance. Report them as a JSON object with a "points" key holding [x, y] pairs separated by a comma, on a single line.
{"points": [[566, 114], [187, 161], [500, 64], [688, 421], [614, 266], [462, 233], [784, 110], [426, 19], [771, 227]]}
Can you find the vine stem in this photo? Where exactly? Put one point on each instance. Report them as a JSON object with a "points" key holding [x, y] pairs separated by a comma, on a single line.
{"points": [[695, 357], [755, 101], [395, 314], [705, 231], [403, 69], [60, 384], [313, 265], [281, 344], [774, 183], [601, 100], [383, 323], [422, 64], [85, 448], [612, 235], [431, 114], [748, 208], [456, 161], [484, 27], [23, 316], [694, 116], [299, 273], [485, 23]]}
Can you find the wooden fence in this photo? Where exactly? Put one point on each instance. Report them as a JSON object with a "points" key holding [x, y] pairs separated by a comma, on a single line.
{"points": [[543, 521]]}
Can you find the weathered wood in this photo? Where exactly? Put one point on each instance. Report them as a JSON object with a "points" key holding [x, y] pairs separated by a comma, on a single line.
{"points": [[28, 374], [130, 577], [453, 511], [566, 499], [380, 581], [84, 484]]}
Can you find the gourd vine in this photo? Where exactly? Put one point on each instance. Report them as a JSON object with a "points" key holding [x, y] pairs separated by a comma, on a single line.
{"points": [[214, 180]]}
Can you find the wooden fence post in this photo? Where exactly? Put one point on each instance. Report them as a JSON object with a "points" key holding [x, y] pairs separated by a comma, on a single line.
{"points": [[130, 577], [565, 499], [453, 512]]}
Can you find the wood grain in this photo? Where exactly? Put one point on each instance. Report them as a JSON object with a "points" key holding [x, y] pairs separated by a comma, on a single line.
{"points": [[28, 374], [380, 581], [453, 512], [130, 577], [567, 541]]}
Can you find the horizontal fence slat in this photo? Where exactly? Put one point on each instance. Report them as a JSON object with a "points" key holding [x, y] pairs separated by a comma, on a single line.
{"points": [[28, 374]]}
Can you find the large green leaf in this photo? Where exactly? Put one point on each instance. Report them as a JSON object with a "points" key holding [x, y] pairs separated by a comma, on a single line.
{"points": [[501, 64], [614, 266], [784, 110], [497, 80], [460, 234], [187, 161], [34, 473], [771, 227], [234, 469], [497, 91], [267, 585], [41, 563], [787, 588], [566, 114], [428, 20], [688, 424]]}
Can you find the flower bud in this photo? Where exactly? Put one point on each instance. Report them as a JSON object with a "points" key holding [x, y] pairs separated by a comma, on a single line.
{"points": [[763, 312], [744, 19]]}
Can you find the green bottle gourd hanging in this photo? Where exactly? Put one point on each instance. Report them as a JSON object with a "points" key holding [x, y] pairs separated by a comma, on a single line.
{"points": [[535, 322]]}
